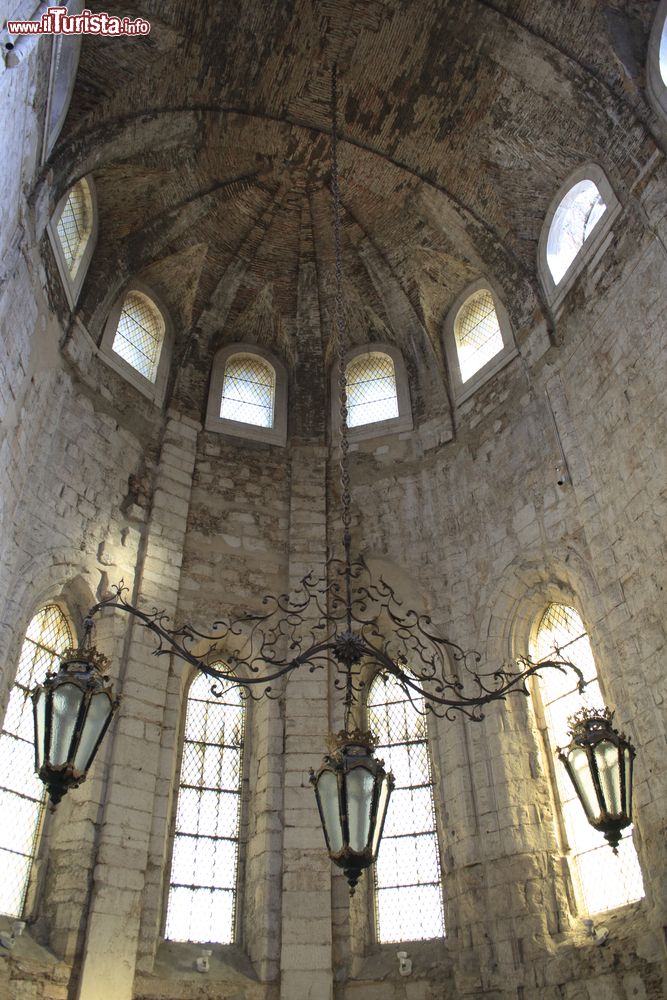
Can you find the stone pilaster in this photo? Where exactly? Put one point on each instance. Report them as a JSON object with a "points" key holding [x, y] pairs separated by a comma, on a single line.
{"points": [[306, 957], [108, 963]]}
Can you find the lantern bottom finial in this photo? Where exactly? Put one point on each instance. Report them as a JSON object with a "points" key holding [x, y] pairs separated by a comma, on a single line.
{"points": [[352, 875]]}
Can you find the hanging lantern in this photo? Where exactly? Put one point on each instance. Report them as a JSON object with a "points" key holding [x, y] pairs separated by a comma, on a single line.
{"points": [[72, 709], [352, 790], [599, 763]]}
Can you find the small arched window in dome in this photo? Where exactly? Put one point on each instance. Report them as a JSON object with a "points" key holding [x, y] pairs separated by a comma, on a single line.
{"points": [[248, 390], [371, 389], [574, 220], [477, 333], [21, 792], [75, 225], [662, 59], [140, 334]]}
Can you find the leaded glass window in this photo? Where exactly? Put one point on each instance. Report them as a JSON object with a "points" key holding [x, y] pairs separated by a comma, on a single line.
{"points": [[248, 390], [477, 333], [201, 904], [408, 878], [75, 225], [371, 389], [602, 880], [22, 794], [573, 222], [140, 334]]}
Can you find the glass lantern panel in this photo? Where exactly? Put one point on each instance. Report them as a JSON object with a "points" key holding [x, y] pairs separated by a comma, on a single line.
{"points": [[580, 771], [65, 704], [327, 793], [40, 727], [383, 802], [606, 757], [359, 788], [627, 767], [96, 719]]}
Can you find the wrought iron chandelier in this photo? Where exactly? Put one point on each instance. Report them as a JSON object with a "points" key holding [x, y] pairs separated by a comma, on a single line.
{"points": [[344, 621]]}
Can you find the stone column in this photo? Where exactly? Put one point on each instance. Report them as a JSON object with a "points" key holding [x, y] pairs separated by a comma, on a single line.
{"points": [[306, 955], [110, 950]]}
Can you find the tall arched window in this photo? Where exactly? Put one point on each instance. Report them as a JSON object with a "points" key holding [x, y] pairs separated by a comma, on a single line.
{"points": [[371, 389], [602, 880], [21, 791], [140, 334], [201, 904], [75, 225], [248, 390], [408, 878]]}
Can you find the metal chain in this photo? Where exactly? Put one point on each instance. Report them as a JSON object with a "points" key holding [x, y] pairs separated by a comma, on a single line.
{"points": [[339, 332]]}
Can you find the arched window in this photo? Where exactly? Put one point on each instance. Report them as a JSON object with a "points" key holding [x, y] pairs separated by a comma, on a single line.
{"points": [[574, 228], [574, 220], [602, 880], [477, 333], [21, 791], [140, 334], [656, 62], [248, 394], [201, 904], [478, 339], [75, 225], [408, 878], [371, 389], [72, 231], [137, 340], [248, 390]]}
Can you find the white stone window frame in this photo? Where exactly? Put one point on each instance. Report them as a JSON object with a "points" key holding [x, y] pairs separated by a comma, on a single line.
{"points": [[72, 285], [461, 390], [275, 435], [155, 391], [380, 428], [556, 293], [656, 88]]}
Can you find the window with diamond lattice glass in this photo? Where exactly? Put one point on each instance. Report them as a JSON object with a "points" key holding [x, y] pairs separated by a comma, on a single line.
{"points": [[408, 878], [248, 390], [22, 794], [140, 334], [602, 880], [75, 225], [202, 898], [370, 381], [477, 333]]}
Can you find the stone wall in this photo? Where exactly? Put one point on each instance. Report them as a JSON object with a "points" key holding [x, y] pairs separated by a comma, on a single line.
{"points": [[466, 517]]}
